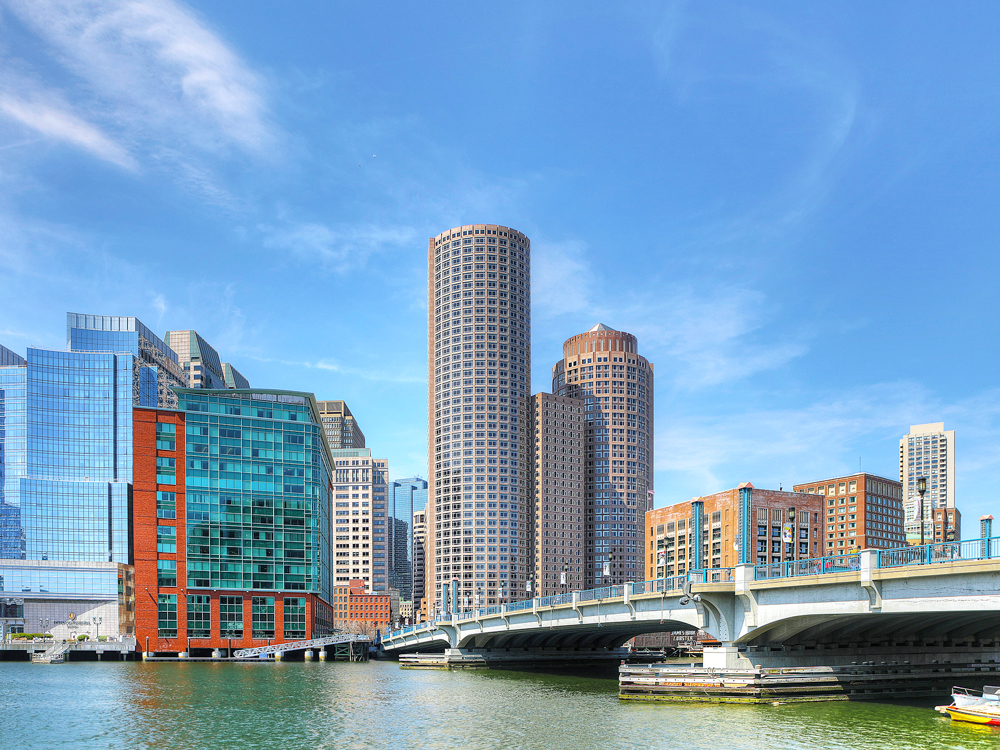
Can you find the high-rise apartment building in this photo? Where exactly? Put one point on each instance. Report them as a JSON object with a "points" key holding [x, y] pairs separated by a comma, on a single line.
{"points": [[360, 536], [342, 430], [419, 557], [479, 378], [862, 511], [743, 524], [558, 457], [201, 362], [604, 369], [404, 497], [232, 521], [928, 451]]}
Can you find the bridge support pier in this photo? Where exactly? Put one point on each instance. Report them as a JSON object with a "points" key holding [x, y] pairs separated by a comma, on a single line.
{"points": [[725, 657]]}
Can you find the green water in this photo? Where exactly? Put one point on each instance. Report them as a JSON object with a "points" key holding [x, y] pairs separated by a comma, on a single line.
{"points": [[377, 705]]}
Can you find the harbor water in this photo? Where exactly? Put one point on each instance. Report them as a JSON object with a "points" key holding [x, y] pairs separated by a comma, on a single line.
{"points": [[377, 705]]}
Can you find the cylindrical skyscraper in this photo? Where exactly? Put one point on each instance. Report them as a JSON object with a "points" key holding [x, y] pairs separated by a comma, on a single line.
{"points": [[602, 367], [478, 381]]}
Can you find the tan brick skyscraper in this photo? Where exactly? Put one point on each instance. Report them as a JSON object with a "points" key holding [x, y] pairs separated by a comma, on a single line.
{"points": [[478, 381], [603, 368]]}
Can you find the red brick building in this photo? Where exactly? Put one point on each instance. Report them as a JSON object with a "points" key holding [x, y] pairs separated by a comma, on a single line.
{"points": [[173, 616], [785, 526], [861, 511], [954, 532], [353, 607]]}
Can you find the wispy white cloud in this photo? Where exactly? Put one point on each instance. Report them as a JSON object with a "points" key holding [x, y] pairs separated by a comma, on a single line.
{"points": [[826, 437], [371, 374], [338, 249], [560, 278], [698, 337], [151, 86], [156, 63], [53, 120]]}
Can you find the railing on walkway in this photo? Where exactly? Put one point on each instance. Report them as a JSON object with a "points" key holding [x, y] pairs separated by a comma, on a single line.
{"points": [[972, 549], [928, 554], [330, 640], [810, 567], [672, 584]]}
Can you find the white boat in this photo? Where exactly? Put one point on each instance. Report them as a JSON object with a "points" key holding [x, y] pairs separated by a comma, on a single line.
{"points": [[965, 698]]}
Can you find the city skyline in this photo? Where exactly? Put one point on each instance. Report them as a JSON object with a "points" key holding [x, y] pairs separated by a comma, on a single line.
{"points": [[786, 187]]}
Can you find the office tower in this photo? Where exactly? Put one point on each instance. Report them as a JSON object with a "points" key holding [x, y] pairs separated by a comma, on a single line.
{"points": [[558, 458], [360, 486], [404, 496], [704, 532], [419, 556], [199, 359], [233, 377], [232, 521], [862, 511], [479, 378], [603, 368], [927, 451], [68, 467], [342, 431]]}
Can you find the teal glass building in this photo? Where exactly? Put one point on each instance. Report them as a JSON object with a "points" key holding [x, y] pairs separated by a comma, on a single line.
{"points": [[258, 491]]}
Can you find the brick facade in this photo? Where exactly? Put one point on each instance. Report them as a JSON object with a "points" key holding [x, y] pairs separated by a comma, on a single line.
{"points": [[670, 535]]}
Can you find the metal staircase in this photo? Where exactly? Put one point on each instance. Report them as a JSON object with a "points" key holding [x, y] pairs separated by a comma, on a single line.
{"points": [[54, 654], [330, 640]]}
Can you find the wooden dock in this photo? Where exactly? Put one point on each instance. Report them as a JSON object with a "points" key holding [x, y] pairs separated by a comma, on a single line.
{"points": [[866, 681]]}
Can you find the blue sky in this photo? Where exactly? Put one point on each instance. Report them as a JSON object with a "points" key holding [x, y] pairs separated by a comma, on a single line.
{"points": [[792, 205]]}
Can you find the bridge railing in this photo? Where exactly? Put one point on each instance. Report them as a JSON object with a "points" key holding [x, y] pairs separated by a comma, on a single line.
{"points": [[809, 567], [928, 554], [603, 592]]}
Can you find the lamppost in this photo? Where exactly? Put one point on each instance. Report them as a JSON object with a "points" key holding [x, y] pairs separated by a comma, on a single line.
{"points": [[921, 489], [97, 626], [791, 529]]}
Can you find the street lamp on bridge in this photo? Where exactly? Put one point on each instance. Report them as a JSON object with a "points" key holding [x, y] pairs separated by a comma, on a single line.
{"points": [[921, 489]]}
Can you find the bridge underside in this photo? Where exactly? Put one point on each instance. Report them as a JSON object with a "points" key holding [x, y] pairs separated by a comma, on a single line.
{"points": [[923, 629], [595, 637]]}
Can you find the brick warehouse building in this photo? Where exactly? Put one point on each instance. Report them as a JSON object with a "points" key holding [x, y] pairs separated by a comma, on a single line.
{"points": [[356, 610], [673, 548], [231, 520]]}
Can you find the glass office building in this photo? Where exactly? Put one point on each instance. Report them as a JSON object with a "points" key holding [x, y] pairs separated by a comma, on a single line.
{"points": [[258, 479], [405, 497], [66, 444]]}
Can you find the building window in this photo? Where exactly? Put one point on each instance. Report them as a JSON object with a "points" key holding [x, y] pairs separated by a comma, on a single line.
{"points": [[166, 539], [166, 608], [166, 505], [263, 616], [231, 616], [166, 470], [199, 616], [166, 574], [166, 439], [295, 618]]}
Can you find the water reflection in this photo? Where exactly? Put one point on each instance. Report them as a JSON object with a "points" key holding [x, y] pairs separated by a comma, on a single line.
{"points": [[377, 705]]}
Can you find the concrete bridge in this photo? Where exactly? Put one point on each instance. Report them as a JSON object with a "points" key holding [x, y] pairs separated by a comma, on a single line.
{"points": [[914, 604]]}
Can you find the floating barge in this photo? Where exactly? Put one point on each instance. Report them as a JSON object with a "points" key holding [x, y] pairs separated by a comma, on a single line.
{"points": [[866, 681]]}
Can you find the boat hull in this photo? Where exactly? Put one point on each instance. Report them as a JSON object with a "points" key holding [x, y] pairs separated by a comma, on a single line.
{"points": [[973, 716]]}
